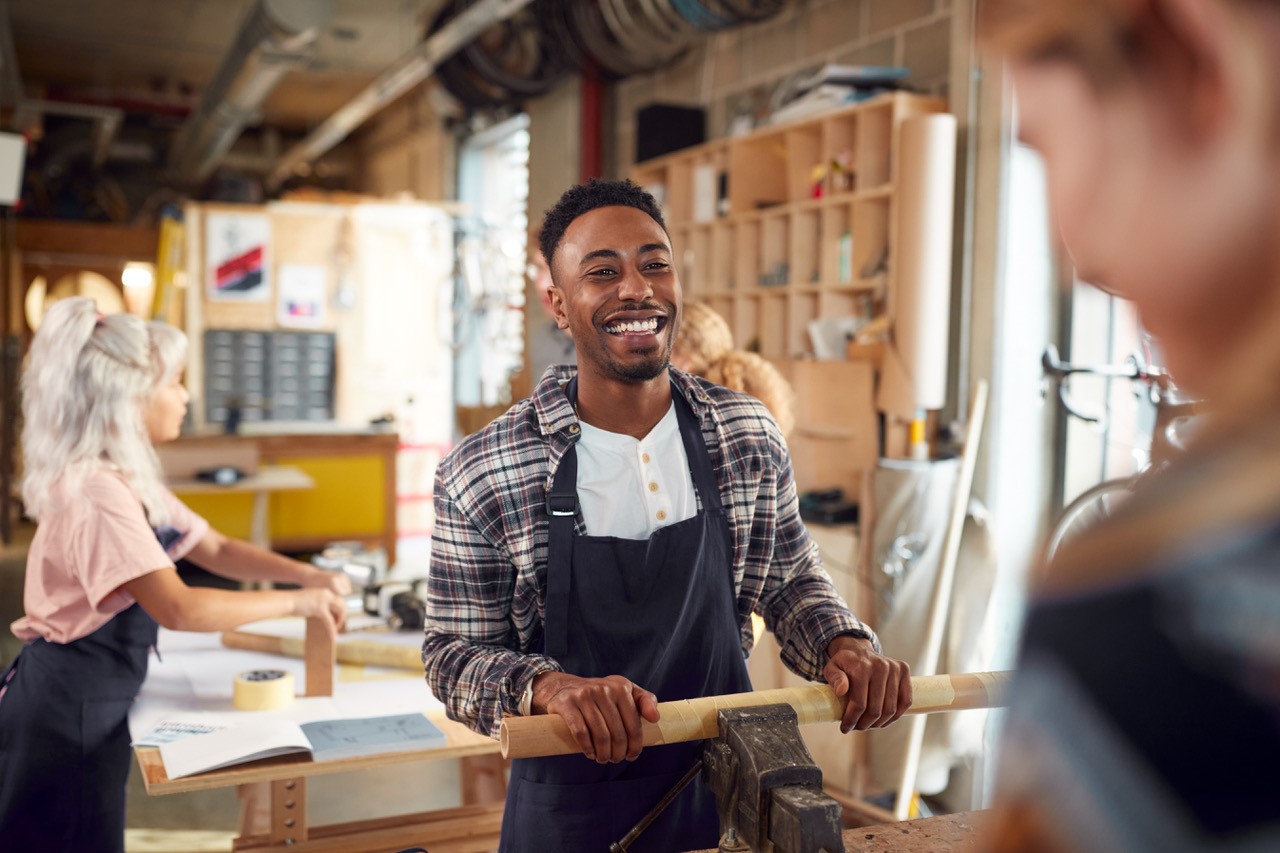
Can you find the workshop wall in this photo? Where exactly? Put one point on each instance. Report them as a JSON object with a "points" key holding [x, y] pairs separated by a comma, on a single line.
{"points": [[738, 70], [407, 148]]}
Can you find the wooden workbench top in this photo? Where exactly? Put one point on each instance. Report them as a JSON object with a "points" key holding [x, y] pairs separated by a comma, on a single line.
{"points": [[953, 832]]}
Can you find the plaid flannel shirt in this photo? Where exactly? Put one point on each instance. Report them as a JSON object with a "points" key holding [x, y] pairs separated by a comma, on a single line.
{"points": [[487, 584]]}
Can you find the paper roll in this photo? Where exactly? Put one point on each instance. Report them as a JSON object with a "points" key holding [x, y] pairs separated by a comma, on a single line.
{"points": [[263, 690], [922, 298]]}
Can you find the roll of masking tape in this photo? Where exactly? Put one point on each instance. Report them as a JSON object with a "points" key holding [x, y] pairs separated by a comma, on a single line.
{"points": [[263, 690]]}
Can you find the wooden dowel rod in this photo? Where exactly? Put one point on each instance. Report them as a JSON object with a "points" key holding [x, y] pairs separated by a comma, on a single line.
{"points": [[349, 651], [695, 719]]}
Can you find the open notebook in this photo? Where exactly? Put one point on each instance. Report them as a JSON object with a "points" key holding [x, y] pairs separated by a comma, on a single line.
{"points": [[323, 740]]}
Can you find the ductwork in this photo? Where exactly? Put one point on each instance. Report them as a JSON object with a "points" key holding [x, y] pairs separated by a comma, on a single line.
{"points": [[275, 36], [405, 73]]}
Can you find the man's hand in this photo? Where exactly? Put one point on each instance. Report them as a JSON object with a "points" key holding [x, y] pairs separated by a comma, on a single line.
{"points": [[876, 689], [603, 714]]}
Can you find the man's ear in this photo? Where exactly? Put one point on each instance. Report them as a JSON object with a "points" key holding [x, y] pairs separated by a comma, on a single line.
{"points": [[557, 306]]}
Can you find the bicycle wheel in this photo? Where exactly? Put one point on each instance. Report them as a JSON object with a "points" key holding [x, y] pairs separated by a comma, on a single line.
{"points": [[1090, 507]]}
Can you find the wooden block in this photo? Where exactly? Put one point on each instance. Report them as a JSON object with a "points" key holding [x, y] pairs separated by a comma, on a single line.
{"points": [[321, 658]]}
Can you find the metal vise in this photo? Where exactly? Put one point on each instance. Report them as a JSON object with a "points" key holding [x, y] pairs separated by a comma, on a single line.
{"points": [[768, 790]]}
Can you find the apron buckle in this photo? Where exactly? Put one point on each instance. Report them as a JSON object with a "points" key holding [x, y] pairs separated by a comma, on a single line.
{"points": [[562, 504]]}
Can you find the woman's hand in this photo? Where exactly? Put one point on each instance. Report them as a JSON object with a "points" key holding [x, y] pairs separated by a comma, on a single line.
{"points": [[323, 603], [336, 582]]}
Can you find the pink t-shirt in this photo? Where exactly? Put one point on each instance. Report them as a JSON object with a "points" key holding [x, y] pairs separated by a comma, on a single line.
{"points": [[82, 554]]}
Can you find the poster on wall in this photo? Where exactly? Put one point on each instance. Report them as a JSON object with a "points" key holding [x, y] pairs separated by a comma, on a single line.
{"points": [[300, 304], [237, 256]]}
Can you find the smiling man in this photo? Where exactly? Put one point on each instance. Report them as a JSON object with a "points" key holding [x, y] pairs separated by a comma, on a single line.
{"points": [[602, 546]]}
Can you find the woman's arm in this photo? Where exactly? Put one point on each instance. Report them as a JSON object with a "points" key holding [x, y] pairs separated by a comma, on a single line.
{"points": [[241, 561], [179, 607]]}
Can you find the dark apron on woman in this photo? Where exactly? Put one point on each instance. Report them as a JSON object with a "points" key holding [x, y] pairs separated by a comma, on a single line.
{"points": [[659, 611], [64, 737]]}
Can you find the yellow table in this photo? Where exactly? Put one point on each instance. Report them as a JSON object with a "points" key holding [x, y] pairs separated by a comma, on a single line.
{"points": [[267, 479]]}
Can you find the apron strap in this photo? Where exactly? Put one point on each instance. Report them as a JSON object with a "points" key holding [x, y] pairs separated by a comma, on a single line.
{"points": [[695, 448], [562, 514]]}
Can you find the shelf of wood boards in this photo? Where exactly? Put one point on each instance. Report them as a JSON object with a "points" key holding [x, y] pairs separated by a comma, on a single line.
{"points": [[790, 223]]}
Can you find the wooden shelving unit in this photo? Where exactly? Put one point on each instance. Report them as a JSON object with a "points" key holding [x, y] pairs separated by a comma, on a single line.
{"points": [[790, 223]]}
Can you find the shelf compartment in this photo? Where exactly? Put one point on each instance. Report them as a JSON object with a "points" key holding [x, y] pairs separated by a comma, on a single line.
{"points": [[773, 326], [721, 270], [803, 309], [775, 251], [723, 305], [758, 167], [841, 147], [695, 260], [746, 254], [836, 256], [805, 163], [871, 249], [873, 155], [746, 317], [806, 239]]}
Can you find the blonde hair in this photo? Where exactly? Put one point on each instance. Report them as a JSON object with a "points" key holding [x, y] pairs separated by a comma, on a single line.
{"points": [[706, 345], [84, 391]]}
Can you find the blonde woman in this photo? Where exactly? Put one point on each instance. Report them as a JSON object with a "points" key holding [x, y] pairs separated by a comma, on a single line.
{"points": [[704, 347], [97, 392], [1146, 706]]}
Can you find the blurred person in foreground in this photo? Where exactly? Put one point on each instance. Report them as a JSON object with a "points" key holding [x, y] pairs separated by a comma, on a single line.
{"points": [[704, 347], [1146, 707]]}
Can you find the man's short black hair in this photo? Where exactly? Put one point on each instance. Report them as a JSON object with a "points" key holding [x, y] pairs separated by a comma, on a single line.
{"points": [[585, 198]]}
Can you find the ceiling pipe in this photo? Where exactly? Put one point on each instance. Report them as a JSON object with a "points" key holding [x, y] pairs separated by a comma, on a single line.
{"points": [[407, 71], [275, 37], [106, 121]]}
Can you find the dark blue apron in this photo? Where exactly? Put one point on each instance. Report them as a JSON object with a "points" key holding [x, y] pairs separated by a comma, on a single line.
{"points": [[659, 611], [64, 737]]}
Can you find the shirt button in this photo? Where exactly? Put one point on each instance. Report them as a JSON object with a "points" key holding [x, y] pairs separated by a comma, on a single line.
{"points": [[644, 457], [653, 487], [662, 515], [573, 428]]}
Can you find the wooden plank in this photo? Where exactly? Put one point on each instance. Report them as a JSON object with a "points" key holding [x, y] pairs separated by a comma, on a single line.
{"points": [[55, 237], [349, 649]]}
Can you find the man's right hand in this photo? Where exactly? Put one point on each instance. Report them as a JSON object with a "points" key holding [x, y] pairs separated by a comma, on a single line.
{"points": [[603, 714]]}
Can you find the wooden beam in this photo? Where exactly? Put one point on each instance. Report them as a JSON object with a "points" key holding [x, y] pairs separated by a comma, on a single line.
{"points": [[696, 719], [56, 237]]}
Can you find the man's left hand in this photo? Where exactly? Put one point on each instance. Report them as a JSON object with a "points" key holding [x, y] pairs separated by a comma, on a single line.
{"points": [[876, 689]]}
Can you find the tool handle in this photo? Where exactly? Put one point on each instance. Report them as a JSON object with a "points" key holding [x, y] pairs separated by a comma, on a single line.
{"points": [[695, 719]]}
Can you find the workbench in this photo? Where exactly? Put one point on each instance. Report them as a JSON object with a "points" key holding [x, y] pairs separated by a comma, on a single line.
{"points": [[953, 833], [192, 681]]}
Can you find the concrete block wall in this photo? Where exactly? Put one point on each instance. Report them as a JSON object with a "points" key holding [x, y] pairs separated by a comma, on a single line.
{"points": [[739, 71]]}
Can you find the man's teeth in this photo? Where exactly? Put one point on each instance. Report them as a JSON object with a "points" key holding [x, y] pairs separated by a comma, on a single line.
{"points": [[650, 325]]}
